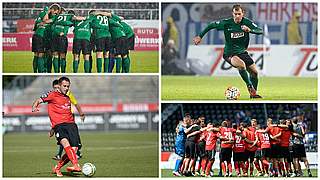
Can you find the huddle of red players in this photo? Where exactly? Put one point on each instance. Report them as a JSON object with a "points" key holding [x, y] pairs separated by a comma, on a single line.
{"points": [[275, 150]]}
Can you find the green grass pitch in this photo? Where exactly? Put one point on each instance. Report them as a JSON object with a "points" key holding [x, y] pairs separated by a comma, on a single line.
{"points": [[168, 173], [21, 62], [213, 88], [113, 154]]}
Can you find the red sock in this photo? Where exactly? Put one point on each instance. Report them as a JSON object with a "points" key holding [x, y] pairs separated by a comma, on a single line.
{"points": [[229, 167], [63, 161], [281, 167], [208, 168], [236, 166], [247, 166], [223, 166], [256, 163], [243, 167], [71, 155], [203, 164]]}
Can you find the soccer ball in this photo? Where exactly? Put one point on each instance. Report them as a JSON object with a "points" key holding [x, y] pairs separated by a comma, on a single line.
{"points": [[232, 93], [88, 169]]}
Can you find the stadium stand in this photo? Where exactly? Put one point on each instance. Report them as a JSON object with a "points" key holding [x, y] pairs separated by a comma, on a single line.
{"points": [[94, 89], [235, 112]]}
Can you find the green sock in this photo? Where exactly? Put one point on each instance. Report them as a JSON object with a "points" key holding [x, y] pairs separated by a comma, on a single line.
{"points": [[45, 61], [118, 64], [90, 59], [56, 64], [86, 66], [40, 64], [63, 65], [75, 66], [99, 65], [245, 76], [254, 80], [35, 64], [126, 64], [106, 65], [49, 64]]}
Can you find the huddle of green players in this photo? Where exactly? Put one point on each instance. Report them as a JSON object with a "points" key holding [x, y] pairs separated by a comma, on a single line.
{"points": [[103, 32]]}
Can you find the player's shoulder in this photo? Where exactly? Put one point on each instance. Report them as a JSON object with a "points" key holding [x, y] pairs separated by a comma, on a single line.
{"points": [[47, 94]]}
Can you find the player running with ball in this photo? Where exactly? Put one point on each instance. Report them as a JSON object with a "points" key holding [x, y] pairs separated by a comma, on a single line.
{"points": [[236, 32]]}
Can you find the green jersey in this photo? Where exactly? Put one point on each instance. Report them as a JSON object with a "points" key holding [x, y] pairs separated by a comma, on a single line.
{"points": [[100, 25], [62, 24], [40, 29], [116, 29], [82, 29], [126, 27], [236, 40]]}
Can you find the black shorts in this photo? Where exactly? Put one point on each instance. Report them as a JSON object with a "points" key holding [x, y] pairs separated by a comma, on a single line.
{"points": [[299, 151], [250, 155], [121, 46], [130, 42], [239, 156], [258, 154], [81, 45], [245, 57], [103, 44], [92, 44], [68, 131], [211, 154], [190, 151], [60, 44], [266, 152], [38, 44], [226, 154], [290, 158], [201, 149], [275, 151], [284, 152]]}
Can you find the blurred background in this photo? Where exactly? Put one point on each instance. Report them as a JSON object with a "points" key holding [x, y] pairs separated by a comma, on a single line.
{"points": [[18, 22], [287, 48], [171, 114], [119, 134]]}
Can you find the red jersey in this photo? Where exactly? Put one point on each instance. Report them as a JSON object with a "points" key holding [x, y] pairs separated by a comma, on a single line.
{"points": [[239, 144], [264, 140], [252, 137], [211, 140], [285, 137], [59, 108], [226, 133], [203, 136], [273, 130], [252, 129]]}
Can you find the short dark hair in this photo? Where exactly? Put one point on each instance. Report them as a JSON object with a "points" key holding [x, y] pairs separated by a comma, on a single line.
{"points": [[55, 7], [55, 82], [62, 10], [63, 78], [71, 12], [237, 7], [91, 11]]}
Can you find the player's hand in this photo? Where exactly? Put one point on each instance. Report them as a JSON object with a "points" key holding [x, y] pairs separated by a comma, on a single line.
{"points": [[61, 34], [50, 133], [245, 28], [35, 109], [197, 40], [82, 117]]}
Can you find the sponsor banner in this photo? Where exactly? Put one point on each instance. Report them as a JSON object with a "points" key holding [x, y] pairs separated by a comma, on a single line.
{"points": [[132, 121], [25, 25], [276, 60], [168, 160], [146, 39], [146, 121], [86, 108]]}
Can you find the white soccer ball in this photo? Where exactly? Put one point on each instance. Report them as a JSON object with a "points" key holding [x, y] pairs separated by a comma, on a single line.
{"points": [[232, 93], [88, 169]]}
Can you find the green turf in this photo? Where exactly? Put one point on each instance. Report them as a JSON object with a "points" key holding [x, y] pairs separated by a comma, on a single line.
{"points": [[113, 154], [168, 173], [212, 88], [21, 62]]}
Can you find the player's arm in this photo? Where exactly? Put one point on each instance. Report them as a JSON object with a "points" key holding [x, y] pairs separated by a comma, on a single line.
{"points": [[189, 129], [194, 133], [255, 141], [82, 116], [35, 105], [275, 137], [213, 25], [251, 27]]}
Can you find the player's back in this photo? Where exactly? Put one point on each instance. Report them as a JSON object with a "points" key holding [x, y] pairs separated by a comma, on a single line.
{"points": [[82, 29], [226, 133], [264, 139], [285, 137]]}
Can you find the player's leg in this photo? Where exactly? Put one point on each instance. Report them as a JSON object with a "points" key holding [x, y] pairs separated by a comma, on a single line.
{"points": [[63, 62], [106, 60], [85, 46], [252, 69], [63, 48], [35, 62], [59, 153], [49, 61], [39, 48], [179, 149], [127, 60], [100, 45], [111, 60]]}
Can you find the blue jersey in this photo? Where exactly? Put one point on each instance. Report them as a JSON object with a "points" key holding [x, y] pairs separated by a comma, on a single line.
{"points": [[180, 141]]}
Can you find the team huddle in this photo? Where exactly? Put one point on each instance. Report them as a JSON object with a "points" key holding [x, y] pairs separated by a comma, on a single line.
{"points": [[274, 150], [102, 32]]}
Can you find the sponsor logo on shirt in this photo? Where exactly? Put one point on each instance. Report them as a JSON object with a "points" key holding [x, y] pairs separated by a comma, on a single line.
{"points": [[237, 35]]}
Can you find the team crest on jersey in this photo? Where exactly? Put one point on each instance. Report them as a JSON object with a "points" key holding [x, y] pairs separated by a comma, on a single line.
{"points": [[237, 35]]}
